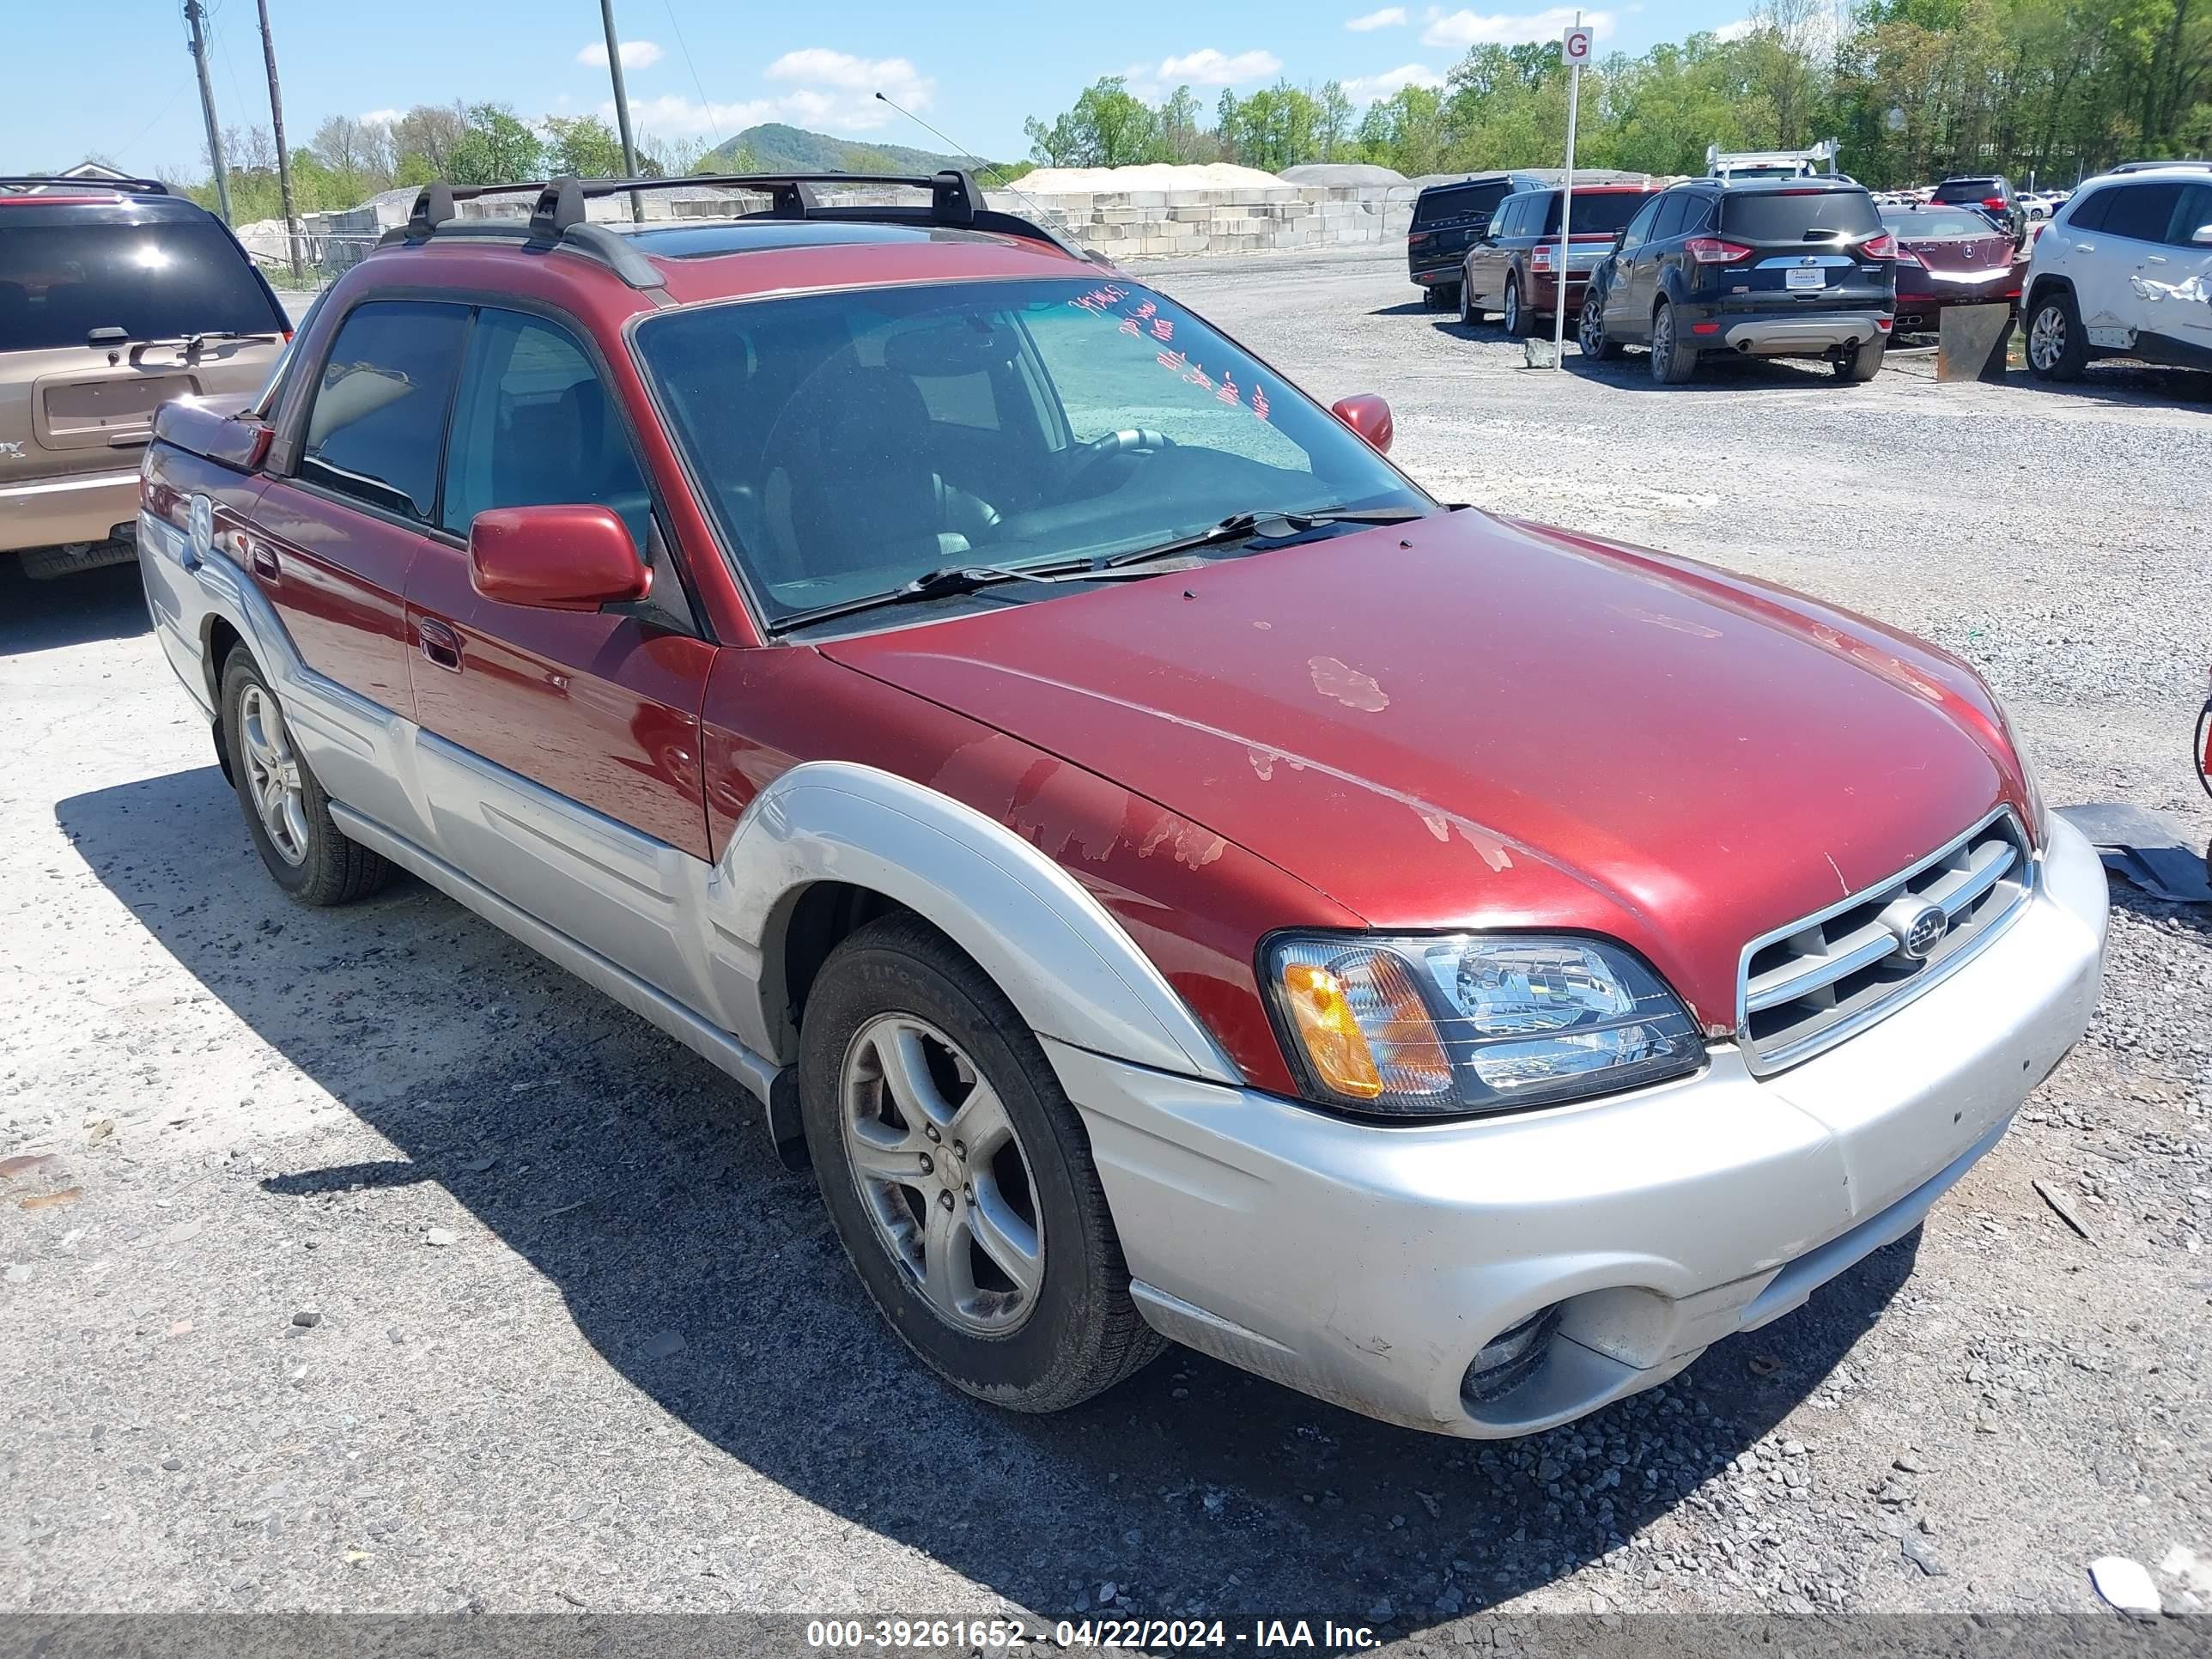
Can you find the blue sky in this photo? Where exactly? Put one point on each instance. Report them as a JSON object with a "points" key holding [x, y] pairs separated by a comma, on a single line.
{"points": [[705, 69]]}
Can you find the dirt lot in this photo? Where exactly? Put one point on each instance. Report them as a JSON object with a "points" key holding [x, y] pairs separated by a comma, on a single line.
{"points": [[580, 1342]]}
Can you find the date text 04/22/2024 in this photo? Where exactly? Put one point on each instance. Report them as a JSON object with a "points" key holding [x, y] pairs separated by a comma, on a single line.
{"points": [[1260, 1635]]}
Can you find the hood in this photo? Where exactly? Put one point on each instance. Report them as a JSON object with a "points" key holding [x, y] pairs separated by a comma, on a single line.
{"points": [[1465, 722]]}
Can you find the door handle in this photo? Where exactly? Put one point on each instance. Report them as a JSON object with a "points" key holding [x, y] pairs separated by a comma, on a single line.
{"points": [[261, 559], [2085, 247], [441, 644]]}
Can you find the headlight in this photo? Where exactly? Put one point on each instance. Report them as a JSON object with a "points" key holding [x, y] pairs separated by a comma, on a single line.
{"points": [[1465, 1024]]}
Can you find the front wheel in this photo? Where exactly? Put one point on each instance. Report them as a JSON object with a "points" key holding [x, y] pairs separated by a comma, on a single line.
{"points": [[1590, 335], [286, 811], [1674, 360], [1469, 312], [2057, 348], [958, 1176]]}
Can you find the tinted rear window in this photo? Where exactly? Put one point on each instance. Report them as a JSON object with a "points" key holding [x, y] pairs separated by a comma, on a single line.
{"points": [[1968, 189], [58, 282], [1798, 215], [1603, 211], [1458, 201]]}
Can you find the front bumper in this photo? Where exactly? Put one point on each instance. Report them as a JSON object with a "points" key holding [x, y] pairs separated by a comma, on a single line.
{"points": [[1369, 1266], [80, 508]]}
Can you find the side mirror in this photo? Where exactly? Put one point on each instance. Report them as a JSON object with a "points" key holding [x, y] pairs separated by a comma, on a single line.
{"points": [[1370, 417], [2201, 237], [555, 558]]}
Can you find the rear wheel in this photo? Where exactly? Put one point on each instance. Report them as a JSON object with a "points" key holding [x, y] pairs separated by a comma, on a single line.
{"points": [[1861, 363], [958, 1176], [286, 811], [1590, 335], [2057, 348], [1674, 360], [1514, 321]]}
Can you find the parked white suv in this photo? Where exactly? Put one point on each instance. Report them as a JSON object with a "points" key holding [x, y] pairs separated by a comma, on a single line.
{"points": [[2125, 271]]}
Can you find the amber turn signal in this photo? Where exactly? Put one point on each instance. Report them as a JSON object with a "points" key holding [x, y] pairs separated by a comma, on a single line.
{"points": [[1332, 1036]]}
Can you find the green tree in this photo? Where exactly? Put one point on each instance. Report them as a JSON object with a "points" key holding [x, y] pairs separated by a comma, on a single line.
{"points": [[1109, 127], [495, 148], [581, 146]]}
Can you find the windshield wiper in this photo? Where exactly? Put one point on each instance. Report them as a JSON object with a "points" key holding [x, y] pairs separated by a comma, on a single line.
{"points": [[943, 582], [1239, 526]]}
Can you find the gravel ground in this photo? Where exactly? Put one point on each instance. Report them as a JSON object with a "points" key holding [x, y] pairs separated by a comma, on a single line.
{"points": [[358, 1260]]}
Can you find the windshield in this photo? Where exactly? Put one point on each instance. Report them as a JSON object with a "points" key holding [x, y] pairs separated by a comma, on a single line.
{"points": [[1798, 215], [1913, 224], [850, 443], [155, 281]]}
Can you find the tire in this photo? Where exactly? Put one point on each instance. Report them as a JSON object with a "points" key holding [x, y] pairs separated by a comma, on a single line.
{"points": [[1470, 314], [1590, 335], [1514, 320], [913, 1225], [2057, 350], [1862, 364], [1435, 298], [1672, 361], [286, 812]]}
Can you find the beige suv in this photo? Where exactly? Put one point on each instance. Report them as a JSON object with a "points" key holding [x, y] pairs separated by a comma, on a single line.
{"points": [[114, 297]]}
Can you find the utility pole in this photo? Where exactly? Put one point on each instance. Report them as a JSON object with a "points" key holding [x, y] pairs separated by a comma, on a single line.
{"points": [[1575, 50], [195, 14], [621, 105], [283, 156]]}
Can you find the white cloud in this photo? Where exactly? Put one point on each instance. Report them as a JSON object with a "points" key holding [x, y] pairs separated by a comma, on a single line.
{"points": [[1390, 17], [834, 91], [381, 117], [1366, 89], [1735, 31], [636, 54], [1472, 29], [1207, 68]]}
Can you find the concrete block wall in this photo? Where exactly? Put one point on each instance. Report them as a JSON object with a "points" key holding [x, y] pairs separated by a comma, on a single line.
{"points": [[1150, 224]]}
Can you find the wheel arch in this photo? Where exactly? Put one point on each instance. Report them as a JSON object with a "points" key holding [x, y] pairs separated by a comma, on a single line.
{"points": [[830, 845], [2043, 287]]}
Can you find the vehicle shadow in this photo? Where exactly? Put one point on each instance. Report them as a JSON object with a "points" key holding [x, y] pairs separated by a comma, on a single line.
{"points": [[2145, 385], [107, 604], [641, 1182]]}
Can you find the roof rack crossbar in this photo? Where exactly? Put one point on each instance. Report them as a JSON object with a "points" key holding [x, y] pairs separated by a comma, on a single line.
{"points": [[66, 185], [558, 216]]}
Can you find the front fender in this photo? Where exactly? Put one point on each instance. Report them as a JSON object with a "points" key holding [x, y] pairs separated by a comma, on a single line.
{"points": [[1066, 965]]}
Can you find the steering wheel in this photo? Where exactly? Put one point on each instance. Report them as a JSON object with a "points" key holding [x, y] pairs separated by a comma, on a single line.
{"points": [[1130, 440]]}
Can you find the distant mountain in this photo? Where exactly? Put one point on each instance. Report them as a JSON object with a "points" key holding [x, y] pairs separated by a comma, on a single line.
{"points": [[774, 148]]}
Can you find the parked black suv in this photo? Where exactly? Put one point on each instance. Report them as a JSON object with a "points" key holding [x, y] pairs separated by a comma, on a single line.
{"points": [[1766, 268], [1992, 192], [1446, 219], [1450, 216]]}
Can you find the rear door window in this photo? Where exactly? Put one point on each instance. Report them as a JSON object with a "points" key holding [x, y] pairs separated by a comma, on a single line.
{"points": [[154, 282], [2141, 212], [1671, 212], [1799, 215], [2088, 211], [378, 422], [1639, 227]]}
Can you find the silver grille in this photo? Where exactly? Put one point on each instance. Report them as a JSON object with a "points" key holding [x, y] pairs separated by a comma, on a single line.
{"points": [[1815, 981]]}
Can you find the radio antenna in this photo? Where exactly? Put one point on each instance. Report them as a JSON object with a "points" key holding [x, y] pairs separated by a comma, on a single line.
{"points": [[967, 155]]}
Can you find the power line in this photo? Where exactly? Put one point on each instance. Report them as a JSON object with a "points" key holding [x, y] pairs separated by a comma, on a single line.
{"points": [[706, 106], [179, 92]]}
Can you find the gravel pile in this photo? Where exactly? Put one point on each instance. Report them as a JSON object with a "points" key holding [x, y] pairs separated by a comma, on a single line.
{"points": [[1210, 175]]}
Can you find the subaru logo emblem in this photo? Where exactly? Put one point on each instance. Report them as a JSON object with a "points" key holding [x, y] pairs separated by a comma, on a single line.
{"points": [[199, 526], [1920, 930]]}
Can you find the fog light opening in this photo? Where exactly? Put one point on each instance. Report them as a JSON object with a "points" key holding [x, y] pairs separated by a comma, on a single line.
{"points": [[1510, 1357]]}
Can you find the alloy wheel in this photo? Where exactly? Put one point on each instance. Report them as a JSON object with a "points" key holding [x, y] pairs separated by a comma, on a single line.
{"points": [[1590, 336], [273, 774], [942, 1175], [1512, 307], [2046, 338]]}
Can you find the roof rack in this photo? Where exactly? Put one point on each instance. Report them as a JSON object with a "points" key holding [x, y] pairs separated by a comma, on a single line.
{"points": [[2147, 166], [557, 219], [31, 184]]}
